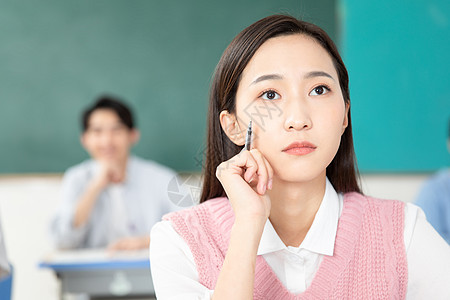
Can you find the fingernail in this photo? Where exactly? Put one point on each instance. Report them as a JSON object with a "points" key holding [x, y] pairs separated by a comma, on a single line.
{"points": [[262, 189]]}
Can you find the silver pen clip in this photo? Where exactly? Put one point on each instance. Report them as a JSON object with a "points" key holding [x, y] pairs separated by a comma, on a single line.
{"points": [[248, 137]]}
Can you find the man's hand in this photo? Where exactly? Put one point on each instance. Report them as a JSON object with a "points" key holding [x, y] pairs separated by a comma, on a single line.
{"points": [[110, 172]]}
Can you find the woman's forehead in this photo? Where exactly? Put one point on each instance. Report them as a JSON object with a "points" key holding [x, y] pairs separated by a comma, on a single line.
{"points": [[284, 53]]}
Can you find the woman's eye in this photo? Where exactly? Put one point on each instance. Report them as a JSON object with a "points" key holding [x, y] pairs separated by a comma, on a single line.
{"points": [[270, 95], [320, 90]]}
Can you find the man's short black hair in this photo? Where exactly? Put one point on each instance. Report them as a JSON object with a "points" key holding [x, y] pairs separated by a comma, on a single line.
{"points": [[107, 102]]}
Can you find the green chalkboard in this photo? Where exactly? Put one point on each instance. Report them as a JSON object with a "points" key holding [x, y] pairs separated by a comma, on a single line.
{"points": [[57, 56], [398, 57]]}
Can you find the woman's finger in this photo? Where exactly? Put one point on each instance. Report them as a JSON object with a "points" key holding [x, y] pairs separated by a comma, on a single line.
{"points": [[242, 164], [262, 172]]}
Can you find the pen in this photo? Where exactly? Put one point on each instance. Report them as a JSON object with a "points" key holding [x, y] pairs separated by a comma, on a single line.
{"points": [[248, 137]]}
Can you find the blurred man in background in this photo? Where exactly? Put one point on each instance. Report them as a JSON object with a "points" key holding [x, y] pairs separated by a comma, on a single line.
{"points": [[113, 199]]}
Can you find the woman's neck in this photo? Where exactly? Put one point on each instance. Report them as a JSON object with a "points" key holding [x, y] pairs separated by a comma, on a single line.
{"points": [[294, 206]]}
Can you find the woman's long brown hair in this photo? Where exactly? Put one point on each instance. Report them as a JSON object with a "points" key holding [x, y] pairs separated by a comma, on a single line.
{"points": [[342, 171]]}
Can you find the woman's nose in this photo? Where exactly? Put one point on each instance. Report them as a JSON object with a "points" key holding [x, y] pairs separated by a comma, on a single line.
{"points": [[297, 115]]}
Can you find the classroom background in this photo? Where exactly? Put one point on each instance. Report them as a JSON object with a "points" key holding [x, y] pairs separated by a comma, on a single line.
{"points": [[58, 56]]}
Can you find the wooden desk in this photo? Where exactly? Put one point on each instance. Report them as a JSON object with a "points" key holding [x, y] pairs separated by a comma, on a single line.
{"points": [[98, 273]]}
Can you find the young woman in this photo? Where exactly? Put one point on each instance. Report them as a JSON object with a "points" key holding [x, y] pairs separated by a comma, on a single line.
{"points": [[287, 219]]}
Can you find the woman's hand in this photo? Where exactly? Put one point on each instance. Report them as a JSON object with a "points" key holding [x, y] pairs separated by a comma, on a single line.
{"points": [[246, 178]]}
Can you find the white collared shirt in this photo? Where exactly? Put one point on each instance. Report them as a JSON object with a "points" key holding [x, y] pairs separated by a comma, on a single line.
{"points": [[296, 266], [175, 275]]}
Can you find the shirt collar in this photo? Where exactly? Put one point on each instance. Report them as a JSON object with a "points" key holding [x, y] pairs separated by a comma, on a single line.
{"points": [[320, 237]]}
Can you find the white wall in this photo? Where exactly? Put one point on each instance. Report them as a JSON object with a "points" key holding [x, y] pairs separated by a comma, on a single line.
{"points": [[403, 187], [26, 204]]}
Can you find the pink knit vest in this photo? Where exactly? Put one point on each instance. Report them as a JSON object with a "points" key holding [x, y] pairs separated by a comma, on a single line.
{"points": [[369, 260]]}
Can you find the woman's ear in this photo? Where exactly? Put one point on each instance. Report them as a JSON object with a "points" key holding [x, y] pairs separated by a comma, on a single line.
{"points": [[231, 127], [345, 123]]}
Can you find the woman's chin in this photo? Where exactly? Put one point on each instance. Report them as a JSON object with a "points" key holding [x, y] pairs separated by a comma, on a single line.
{"points": [[291, 177]]}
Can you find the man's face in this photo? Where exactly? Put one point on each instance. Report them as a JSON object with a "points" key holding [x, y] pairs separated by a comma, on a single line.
{"points": [[106, 137]]}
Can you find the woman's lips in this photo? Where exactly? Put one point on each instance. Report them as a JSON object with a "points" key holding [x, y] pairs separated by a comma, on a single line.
{"points": [[300, 148]]}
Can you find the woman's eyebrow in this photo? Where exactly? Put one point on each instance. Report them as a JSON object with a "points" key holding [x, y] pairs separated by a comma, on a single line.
{"points": [[308, 75], [267, 77], [313, 74]]}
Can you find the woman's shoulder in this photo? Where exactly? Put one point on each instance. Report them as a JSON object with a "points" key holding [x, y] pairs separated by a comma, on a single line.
{"points": [[411, 210], [206, 219], [164, 228], [366, 199], [372, 209], [413, 215]]}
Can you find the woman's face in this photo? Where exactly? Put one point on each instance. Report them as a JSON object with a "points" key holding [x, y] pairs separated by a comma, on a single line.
{"points": [[290, 90]]}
